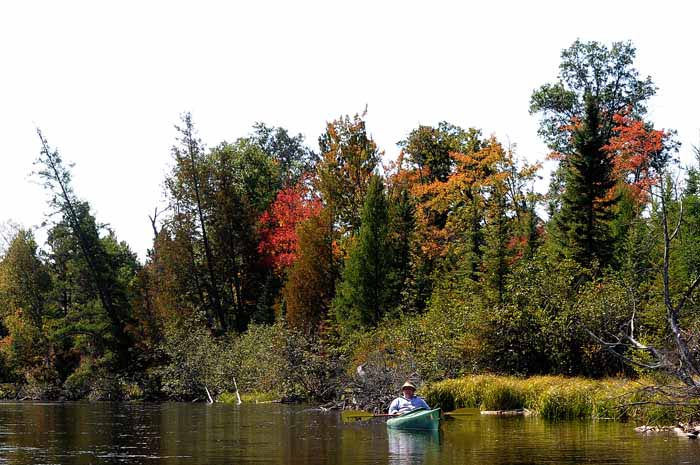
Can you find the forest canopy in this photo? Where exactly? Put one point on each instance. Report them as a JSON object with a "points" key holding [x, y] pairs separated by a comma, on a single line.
{"points": [[294, 267]]}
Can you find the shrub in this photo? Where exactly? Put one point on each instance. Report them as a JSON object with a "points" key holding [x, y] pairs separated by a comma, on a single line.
{"points": [[260, 359], [41, 384], [196, 362]]}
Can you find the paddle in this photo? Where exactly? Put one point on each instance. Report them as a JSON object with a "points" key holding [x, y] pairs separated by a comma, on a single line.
{"points": [[462, 412], [356, 415]]}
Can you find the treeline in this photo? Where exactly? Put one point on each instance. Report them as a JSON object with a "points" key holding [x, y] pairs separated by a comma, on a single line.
{"points": [[311, 271]]}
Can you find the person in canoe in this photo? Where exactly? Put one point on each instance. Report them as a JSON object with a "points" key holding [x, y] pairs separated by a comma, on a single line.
{"points": [[407, 401]]}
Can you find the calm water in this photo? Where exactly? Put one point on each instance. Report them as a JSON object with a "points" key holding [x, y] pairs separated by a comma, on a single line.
{"points": [[172, 433]]}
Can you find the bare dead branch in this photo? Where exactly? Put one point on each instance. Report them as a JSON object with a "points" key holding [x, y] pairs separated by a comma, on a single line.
{"points": [[688, 292]]}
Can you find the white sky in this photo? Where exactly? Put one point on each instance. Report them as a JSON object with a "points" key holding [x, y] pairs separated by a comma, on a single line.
{"points": [[106, 81]]}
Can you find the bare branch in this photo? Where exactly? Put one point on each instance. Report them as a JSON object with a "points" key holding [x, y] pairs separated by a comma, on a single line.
{"points": [[688, 293], [153, 219], [610, 347], [678, 224]]}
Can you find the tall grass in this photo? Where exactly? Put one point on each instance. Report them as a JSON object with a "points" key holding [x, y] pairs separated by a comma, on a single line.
{"points": [[555, 397]]}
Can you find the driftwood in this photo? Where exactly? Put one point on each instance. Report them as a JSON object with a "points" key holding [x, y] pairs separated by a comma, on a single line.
{"points": [[376, 382], [507, 413]]}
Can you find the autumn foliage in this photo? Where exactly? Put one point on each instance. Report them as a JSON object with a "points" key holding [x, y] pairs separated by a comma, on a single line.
{"points": [[638, 151], [279, 241]]}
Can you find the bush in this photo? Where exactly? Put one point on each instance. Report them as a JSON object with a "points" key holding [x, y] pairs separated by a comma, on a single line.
{"points": [[260, 362], [41, 384], [196, 361], [8, 391], [94, 381]]}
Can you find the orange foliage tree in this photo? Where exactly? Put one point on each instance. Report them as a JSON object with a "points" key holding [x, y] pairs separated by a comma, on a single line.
{"points": [[310, 286], [639, 153]]}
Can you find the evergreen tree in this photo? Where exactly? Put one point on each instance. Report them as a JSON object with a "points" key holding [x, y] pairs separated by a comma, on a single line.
{"points": [[496, 253], [84, 321], [401, 227], [99, 271], [578, 118], [583, 224], [365, 292]]}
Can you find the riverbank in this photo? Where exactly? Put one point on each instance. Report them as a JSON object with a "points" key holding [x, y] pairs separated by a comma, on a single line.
{"points": [[557, 398], [641, 401]]}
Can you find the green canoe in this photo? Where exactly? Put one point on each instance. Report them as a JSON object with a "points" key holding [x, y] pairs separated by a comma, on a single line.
{"points": [[416, 419]]}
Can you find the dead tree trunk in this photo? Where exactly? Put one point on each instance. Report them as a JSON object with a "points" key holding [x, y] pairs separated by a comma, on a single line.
{"points": [[678, 361]]}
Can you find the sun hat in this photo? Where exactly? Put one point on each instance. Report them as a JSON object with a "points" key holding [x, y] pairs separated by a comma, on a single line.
{"points": [[408, 384]]}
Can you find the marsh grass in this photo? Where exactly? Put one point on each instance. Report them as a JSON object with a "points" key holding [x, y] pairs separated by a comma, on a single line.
{"points": [[248, 397], [558, 397]]}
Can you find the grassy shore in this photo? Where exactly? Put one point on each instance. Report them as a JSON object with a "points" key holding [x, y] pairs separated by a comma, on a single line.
{"points": [[557, 397], [248, 397]]}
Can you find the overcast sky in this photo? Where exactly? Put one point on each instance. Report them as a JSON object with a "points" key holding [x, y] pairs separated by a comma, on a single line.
{"points": [[106, 81]]}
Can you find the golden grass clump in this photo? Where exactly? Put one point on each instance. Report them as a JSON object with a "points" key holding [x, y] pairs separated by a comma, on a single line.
{"points": [[556, 397]]}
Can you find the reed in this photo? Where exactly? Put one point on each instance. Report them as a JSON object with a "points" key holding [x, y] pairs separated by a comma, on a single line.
{"points": [[558, 397]]}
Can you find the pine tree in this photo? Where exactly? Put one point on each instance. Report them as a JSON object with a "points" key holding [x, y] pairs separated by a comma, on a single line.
{"points": [[365, 292], [496, 254], [582, 227]]}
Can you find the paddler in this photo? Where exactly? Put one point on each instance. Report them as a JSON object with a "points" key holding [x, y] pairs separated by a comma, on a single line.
{"points": [[407, 401]]}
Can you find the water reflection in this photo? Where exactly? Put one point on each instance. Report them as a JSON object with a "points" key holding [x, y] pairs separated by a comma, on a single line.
{"points": [[189, 434], [412, 447]]}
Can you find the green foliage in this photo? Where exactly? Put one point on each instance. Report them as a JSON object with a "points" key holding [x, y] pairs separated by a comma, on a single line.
{"points": [[349, 156], [368, 288], [24, 287], [441, 343], [293, 159], [429, 148], [273, 361], [606, 74], [314, 369], [8, 391], [260, 360], [94, 380], [41, 383], [582, 226], [195, 362]]}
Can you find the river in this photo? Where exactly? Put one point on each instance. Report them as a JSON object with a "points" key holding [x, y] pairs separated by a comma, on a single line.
{"points": [[180, 433]]}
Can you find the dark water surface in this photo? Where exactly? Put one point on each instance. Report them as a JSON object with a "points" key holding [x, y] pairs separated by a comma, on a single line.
{"points": [[174, 433]]}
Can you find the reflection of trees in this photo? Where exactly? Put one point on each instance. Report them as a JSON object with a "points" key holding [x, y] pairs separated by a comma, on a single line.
{"points": [[179, 433]]}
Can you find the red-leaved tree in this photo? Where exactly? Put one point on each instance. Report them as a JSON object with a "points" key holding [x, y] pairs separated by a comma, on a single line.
{"points": [[639, 153], [279, 241]]}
